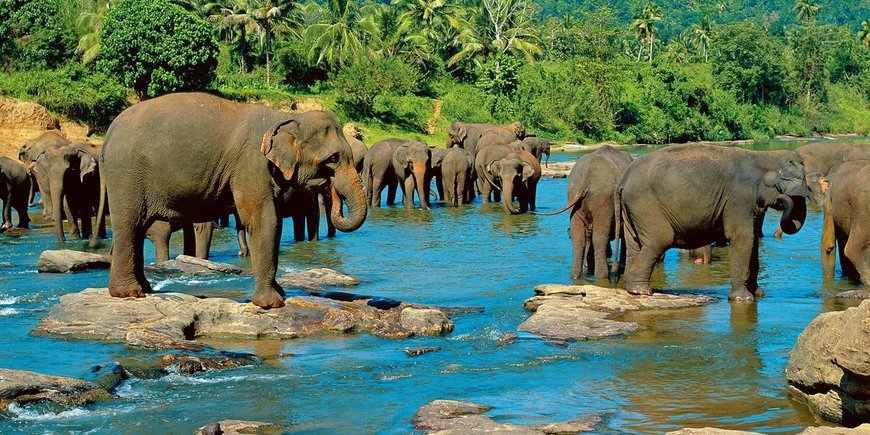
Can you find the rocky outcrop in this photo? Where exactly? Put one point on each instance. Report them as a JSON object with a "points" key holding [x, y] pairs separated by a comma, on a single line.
{"points": [[557, 169], [24, 388], [317, 279], [67, 260], [238, 427], [173, 319], [454, 417], [569, 312], [829, 368], [187, 265]]}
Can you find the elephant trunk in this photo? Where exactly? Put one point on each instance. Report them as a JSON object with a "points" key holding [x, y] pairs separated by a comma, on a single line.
{"points": [[56, 187], [507, 196], [546, 162], [794, 212], [346, 187], [420, 181]]}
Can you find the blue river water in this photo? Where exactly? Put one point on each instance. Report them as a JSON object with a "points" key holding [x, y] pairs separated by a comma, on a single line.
{"points": [[719, 365]]}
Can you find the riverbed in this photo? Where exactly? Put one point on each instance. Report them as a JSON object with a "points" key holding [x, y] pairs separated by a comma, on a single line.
{"points": [[720, 365]]}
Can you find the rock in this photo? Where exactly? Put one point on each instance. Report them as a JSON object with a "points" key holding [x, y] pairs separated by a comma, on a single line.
{"points": [[188, 363], [854, 294], [5, 264], [827, 430], [507, 339], [23, 387], [710, 431], [67, 260], [172, 320], [557, 169], [317, 279], [829, 367], [571, 312], [417, 351], [237, 427], [451, 416], [187, 265]]}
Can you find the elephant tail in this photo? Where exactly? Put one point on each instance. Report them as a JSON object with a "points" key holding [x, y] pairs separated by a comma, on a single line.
{"points": [[101, 209], [570, 204]]}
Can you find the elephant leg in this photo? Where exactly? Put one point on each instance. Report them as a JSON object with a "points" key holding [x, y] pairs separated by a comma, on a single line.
{"points": [[856, 250], [7, 208], [159, 233], [590, 252], [392, 188], [577, 228], [298, 226], [496, 194], [376, 188], [449, 190], [829, 241], [439, 186], [262, 223], [602, 228], [327, 206], [408, 188], [743, 244], [240, 234], [640, 260], [74, 232], [127, 275], [533, 194], [203, 232], [485, 191], [312, 218]]}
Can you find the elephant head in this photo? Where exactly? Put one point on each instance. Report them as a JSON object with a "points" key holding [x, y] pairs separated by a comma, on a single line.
{"points": [[512, 172], [517, 129], [787, 180], [309, 151], [457, 134], [416, 157], [65, 168]]}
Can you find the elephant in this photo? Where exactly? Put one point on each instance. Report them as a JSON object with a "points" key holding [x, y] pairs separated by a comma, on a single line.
{"points": [[15, 185], [378, 171], [539, 147], [27, 154], [359, 149], [456, 169], [591, 185], [412, 164], [847, 221], [688, 196], [467, 135], [234, 154], [435, 172], [514, 173], [822, 158], [197, 238], [73, 180]]}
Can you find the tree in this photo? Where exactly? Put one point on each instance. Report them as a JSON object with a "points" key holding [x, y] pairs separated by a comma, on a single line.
{"points": [[341, 37], [864, 33], [155, 47], [748, 61], [492, 27], [807, 10], [43, 39], [90, 23], [701, 35], [644, 27], [428, 23]]}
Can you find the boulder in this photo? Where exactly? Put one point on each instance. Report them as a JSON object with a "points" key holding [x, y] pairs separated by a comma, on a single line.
{"points": [[827, 430], [317, 279], [829, 367], [172, 320], [455, 417], [187, 265], [421, 350], [23, 388], [67, 260], [572, 312], [238, 427]]}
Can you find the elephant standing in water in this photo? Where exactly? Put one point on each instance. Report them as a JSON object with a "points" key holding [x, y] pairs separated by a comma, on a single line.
{"points": [[15, 188], [465, 135], [412, 164], [688, 196], [511, 174], [72, 175], [159, 165], [27, 154], [591, 185], [378, 171], [456, 170], [847, 221], [538, 146]]}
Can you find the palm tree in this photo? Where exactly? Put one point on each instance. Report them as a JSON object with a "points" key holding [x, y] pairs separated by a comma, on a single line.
{"points": [[807, 10], [90, 22], [641, 28], [701, 35], [428, 23], [342, 36], [491, 27], [864, 33], [652, 13]]}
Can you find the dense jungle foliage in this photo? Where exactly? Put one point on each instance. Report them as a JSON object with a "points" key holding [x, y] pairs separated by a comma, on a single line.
{"points": [[585, 70]]}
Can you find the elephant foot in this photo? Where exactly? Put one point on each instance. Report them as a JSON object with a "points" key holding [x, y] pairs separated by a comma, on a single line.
{"points": [[759, 293], [639, 289], [269, 299], [127, 291], [741, 295]]}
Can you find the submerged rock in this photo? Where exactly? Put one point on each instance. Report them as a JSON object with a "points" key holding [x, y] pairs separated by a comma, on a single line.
{"points": [[570, 312], [710, 431], [451, 416], [317, 279], [507, 339], [172, 320], [24, 388], [417, 351], [854, 294], [829, 368], [237, 427], [67, 260], [187, 265]]}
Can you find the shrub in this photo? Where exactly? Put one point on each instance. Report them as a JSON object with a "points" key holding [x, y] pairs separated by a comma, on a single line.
{"points": [[156, 47], [463, 102], [360, 82], [408, 111], [42, 38]]}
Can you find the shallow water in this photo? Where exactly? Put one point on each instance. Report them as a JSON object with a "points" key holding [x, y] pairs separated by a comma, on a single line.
{"points": [[719, 365]]}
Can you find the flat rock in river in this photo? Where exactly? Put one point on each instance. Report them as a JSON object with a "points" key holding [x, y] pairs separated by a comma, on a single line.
{"points": [[557, 169], [854, 294], [174, 318], [187, 265], [67, 260], [571, 312], [455, 417], [317, 279], [23, 387], [710, 431], [236, 427], [829, 367]]}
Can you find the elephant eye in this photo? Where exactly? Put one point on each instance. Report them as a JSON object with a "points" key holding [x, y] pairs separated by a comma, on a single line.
{"points": [[332, 159]]}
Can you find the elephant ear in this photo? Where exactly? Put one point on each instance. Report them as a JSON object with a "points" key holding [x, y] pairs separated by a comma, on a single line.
{"points": [[462, 133], [281, 148], [528, 171], [492, 166], [87, 164], [401, 155]]}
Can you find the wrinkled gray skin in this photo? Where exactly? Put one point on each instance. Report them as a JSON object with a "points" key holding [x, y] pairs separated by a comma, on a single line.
{"points": [[488, 190], [822, 158], [14, 192], [538, 146], [465, 135], [73, 180], [378, 172], [241, 155], [688, 196], [27, 154], [514, 173], [456, 169], [412, 163], [359, 149], [847, 221], [591, 185]]}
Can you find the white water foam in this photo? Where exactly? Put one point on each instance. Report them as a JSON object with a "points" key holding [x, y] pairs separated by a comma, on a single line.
{"points": [[192, 281], [8, 311], [31, 415], [8, 300]]}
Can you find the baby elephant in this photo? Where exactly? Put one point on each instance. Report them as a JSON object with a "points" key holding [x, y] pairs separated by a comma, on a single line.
{"points": [[14, 191], [456, 169]]}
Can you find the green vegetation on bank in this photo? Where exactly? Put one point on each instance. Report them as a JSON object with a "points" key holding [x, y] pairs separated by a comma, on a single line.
{"points": [[626, 71]]}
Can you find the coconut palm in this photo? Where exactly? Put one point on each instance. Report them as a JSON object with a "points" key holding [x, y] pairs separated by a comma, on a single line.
{"points": [[427, 24], [342, 36], [701, 35], [806, 10], [90, 22], [492, 27], [864, 33], [644, 27]]}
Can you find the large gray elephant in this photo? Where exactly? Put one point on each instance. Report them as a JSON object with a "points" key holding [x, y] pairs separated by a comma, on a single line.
{"points": [[412, 164], [847, 221], [27, 154], [359, 149], [378, 171], [539, 147], [591, 185], [465, 135], [456, 170], [158, 165], [15, 185], [73, 180], [822, 158], [512, 174], [688, 196]]}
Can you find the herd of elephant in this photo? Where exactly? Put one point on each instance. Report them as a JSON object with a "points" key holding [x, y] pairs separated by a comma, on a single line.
{"points": [[263, 165]]}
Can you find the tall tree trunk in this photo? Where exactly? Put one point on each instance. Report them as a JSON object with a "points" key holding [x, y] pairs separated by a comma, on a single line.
{"points": [[639, 49], [651, 38]]}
